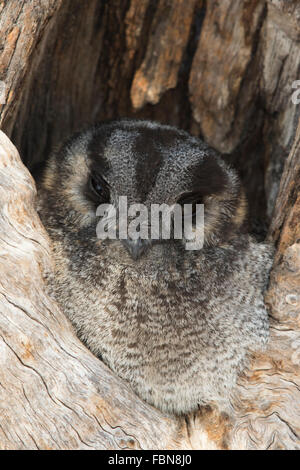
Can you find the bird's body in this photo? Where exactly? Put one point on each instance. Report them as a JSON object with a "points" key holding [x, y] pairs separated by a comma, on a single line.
{"points": [[176, 324]]}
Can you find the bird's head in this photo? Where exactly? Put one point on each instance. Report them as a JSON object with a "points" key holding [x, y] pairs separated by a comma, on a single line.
{"points": [[137, 166]]}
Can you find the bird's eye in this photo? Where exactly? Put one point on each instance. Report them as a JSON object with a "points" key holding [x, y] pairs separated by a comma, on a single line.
{"points": [[99, 188], [96, 186]]}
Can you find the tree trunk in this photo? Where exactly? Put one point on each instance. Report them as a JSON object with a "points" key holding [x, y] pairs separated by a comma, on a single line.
{"points": [[221, 70]]}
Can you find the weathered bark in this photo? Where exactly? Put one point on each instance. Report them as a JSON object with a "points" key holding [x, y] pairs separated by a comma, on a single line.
{"points": [[285, 226], [167, 41], [223, 70], [22, 26]]}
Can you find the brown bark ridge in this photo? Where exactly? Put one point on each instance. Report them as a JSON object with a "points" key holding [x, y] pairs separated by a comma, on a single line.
{"points": [[21, 27], [285, 226], [218, 80], [165, 48], [221, 70]]}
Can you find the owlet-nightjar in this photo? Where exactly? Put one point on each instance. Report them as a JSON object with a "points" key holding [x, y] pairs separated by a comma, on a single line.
{"points": [[177, 324]]}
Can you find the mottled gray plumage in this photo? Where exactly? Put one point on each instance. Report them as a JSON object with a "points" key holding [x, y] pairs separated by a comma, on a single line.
{"points": [[176, 324]]}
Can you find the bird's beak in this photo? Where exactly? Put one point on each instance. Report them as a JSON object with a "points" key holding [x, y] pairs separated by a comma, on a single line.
{"points": [[135, 247]]}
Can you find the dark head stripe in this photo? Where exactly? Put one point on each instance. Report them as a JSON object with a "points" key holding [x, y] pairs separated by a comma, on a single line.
{"points": [[208, 177], [96, 149], [148, 161]]}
